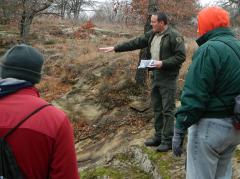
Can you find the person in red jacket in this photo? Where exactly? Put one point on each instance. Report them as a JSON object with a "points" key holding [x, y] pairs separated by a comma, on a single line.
{"points": [[43, 145]]}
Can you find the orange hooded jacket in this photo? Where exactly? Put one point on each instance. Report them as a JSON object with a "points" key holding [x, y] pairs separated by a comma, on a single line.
{"points": [[211, 18]]}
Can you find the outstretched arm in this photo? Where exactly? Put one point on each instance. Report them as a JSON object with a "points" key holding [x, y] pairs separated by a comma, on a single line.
{"points": [[134, 44], [107, 49]]}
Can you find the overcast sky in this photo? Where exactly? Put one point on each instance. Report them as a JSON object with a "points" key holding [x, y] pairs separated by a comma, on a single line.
{"points": [[207, 2], [203, 2]]}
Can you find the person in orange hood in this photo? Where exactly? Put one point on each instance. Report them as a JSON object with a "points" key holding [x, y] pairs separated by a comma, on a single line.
{"points": [[211, 18], [211, 85]]}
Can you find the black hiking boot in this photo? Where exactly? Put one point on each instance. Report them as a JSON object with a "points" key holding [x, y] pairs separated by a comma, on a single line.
{"points": [[164, 148], [153, 142]]}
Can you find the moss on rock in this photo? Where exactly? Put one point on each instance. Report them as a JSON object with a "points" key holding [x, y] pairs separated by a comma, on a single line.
{"points": [[163, 161], [113, 173]]}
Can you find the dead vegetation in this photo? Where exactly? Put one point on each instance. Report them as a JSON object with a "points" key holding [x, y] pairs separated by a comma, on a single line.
{"points": [[71, 52], [95, 89]]}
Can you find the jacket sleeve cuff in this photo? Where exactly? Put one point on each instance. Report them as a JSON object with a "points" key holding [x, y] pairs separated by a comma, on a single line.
{"points": [[180, 122], [115, 48], [186, 119]]}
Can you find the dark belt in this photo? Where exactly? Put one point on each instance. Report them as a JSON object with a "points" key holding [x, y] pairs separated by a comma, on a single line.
{"points": [[218, 114]]}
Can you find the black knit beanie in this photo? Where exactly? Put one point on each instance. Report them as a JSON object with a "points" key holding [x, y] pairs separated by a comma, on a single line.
{"points": [[22, 62]]}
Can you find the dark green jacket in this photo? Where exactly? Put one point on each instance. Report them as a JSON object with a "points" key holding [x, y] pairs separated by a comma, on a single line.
{"points": [[213, 79], [172, 53]]}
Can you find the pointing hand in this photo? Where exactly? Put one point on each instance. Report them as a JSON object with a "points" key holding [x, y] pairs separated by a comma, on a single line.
{"points": [[107, 49]]}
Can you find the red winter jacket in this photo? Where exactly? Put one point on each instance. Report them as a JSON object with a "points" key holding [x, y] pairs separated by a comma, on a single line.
{"points": [[43, 145]]}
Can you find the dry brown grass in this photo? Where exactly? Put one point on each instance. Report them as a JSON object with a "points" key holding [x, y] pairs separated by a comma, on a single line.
{"points": [[69, 58], [191, 46], [51, 88], [122, 27]]}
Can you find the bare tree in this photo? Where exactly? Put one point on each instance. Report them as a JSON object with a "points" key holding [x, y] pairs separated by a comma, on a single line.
{"points": [[7, 9], [22, 11], [62, 6], [118, 11], [73, 8], [77, 6], [233, 7], [106, 12], [30, 9]]}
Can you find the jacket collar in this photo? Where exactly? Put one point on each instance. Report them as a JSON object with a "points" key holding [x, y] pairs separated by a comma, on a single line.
{"points": [[32, 91], [214, 33], [11, 85], [166, 31]]}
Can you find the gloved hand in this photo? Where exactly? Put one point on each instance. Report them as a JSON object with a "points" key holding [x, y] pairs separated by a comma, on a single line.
{"points": [[177, 141]]}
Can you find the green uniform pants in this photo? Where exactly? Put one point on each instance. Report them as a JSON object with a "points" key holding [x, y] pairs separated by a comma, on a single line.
{"points": [[163, 101]]}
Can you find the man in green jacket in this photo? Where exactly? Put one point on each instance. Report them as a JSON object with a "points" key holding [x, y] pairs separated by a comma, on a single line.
{"points": [[207, 101], [167, 49]]}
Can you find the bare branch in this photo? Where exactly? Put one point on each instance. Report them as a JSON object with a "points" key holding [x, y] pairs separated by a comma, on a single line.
{"points": [[49, 13]]}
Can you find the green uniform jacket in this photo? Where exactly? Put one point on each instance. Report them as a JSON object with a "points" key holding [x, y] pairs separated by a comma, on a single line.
{"points": [[213, 79], [172, 53]]}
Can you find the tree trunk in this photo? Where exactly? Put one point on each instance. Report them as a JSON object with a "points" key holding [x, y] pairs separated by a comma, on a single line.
{"points": [[75, 15], [63, 9], [141, 74], [5, 12], [25, 24], [77, 9], [238, 6]]}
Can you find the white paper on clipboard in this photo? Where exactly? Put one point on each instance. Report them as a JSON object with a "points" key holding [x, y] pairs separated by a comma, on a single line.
{"points": [[146, 64]]}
